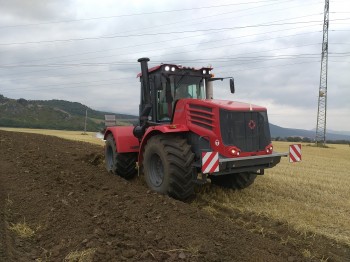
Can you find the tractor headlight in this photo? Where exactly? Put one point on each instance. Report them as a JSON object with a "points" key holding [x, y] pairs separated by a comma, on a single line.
{"points": [[235, 151], [204, 71], [167, 68], [173, 69]]}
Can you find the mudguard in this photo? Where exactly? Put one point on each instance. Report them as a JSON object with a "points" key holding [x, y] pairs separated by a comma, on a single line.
{"points": [[163, 129], [124, 139]]}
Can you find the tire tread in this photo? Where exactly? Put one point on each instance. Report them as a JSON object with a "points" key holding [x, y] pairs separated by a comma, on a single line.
{"points": [[124, 164], [180, 157]]}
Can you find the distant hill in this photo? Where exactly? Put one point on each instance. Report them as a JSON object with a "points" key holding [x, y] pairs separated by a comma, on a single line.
{"points": [[277, 131], [53, 114], [347, 133], [65, 115]]}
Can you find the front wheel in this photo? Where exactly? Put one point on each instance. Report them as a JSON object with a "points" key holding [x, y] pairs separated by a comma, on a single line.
{"points": [[121, 164], [167, 166], [234, 181]]}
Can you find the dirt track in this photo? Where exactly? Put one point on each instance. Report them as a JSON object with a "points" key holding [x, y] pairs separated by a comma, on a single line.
{"points": [[61, 190]]}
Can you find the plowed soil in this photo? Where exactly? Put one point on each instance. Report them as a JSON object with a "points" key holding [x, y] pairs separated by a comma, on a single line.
{"points": [[76, 210]]}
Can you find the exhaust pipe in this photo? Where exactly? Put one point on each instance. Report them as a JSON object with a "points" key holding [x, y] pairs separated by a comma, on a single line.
{"points": [[145, 101], [145, 79]]}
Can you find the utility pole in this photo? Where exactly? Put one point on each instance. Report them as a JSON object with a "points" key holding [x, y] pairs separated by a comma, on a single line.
{"points": [[85, 122], [322, 94]]}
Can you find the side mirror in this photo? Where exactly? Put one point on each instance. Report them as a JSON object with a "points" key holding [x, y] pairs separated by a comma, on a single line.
{"points": [[232, 86]]}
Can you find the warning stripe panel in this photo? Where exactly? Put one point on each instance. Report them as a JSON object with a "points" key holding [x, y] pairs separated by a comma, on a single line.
{"points": [[205, 156], [210, 162], [295, 153]]}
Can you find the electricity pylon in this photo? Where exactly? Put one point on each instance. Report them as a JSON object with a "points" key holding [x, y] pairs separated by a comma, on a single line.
{"points": [[322, 94]]}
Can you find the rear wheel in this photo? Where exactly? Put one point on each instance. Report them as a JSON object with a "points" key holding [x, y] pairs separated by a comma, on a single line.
{"points": [[167, 166], [234, 181], [123, 164]]}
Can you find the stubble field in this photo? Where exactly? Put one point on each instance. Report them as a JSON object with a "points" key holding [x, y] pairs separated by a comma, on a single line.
{"points": [[294, 212], [311, 196]]}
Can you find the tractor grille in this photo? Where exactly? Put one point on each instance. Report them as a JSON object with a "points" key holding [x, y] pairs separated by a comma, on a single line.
{"points": [[248, 131], [201, 116]]}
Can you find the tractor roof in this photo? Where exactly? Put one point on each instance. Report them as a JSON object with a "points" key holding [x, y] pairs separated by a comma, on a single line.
{"points": [[177, 67]]}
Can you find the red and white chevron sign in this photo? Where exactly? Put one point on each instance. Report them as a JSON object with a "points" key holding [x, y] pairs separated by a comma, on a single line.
{"points": [[210, 162], [295, 153]]}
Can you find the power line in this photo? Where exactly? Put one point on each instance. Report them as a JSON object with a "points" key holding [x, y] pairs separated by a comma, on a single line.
{"points": [[263, 67], [157, 49], [212, 60], [225, 13], [69, 85], [185, 21], [92, 65], [173, 47], [231, 44], [87, 84], [241, 10], [252, 60], [251, 68], [52, 76], [76, 83], [138, 14], [293, 18], [132, 62], [161, 33]]}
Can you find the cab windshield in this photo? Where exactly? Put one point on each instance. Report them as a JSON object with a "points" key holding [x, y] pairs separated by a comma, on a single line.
{"points": [[187, 87], [174, 88]]}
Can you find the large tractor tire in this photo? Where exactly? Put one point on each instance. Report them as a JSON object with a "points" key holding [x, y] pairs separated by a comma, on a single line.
{"points": [[123, 164], [167, 166], [234, 181]]}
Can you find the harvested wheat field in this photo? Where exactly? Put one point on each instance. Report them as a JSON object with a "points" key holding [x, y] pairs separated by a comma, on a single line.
{"points": [[57, 203]]}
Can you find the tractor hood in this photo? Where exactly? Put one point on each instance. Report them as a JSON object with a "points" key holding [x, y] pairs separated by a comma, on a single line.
{"points": [[230, 125], [233, 105], [187, 108], [225, 104]]}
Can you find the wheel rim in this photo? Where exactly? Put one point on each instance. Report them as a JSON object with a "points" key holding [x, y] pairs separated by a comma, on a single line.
{"points": [[156, 170], [110, 157]]}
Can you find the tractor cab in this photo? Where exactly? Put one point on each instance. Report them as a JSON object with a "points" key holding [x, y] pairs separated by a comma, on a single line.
{"points": [[163, 86], [170, 83]]}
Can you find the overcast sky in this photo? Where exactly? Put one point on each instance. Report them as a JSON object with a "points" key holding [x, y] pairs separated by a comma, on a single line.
{"points": [[86, 51]]}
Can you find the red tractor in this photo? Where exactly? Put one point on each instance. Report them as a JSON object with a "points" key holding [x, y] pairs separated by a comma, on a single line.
{"points": [[184, 136]]}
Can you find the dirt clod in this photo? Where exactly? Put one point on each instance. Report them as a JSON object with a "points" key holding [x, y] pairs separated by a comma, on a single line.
{"points": [[182, 255]]}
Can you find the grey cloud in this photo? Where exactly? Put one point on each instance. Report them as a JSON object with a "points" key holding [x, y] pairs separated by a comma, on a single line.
{"points": [[107, 68], [35, 10]]}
